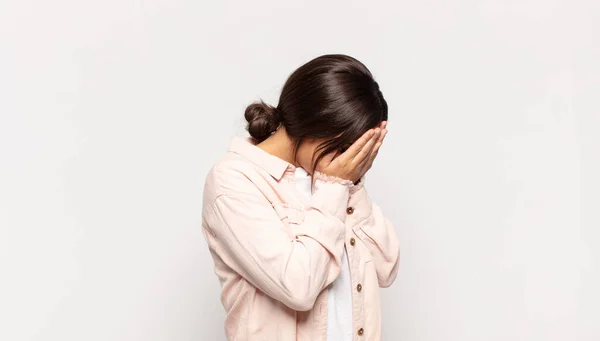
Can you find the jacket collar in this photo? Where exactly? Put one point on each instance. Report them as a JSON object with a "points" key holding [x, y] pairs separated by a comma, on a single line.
{"points": [[246, 148]]}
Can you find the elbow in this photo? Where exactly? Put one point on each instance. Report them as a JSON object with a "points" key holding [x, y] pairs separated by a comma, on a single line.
{"points": [[386, 282], [300, 303], [388, 275], [301, 291], [300, 297], [294, 297]]}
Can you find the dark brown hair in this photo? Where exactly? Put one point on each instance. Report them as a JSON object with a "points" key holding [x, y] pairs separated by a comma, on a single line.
{"points": [[333, 97]]}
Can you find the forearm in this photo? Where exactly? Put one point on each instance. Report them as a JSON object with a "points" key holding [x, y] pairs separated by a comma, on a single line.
{"points": [[292, 265], [378, 235]]}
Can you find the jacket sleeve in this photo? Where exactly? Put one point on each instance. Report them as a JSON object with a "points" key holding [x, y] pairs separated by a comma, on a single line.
{"points": [[245, 231], [378, 234]]}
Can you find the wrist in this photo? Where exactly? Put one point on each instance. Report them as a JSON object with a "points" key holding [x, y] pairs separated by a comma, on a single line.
{"points": [[332, 179], [357, 185]]}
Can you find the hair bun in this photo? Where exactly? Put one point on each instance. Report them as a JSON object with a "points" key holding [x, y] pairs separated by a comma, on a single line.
{"points": [[263, 120]]}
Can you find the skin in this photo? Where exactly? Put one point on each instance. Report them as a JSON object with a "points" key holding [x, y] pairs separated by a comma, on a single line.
{"points": [[352, 164]]}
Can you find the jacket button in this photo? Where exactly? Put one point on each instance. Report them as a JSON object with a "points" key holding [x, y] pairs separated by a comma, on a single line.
{"points": [[361, 331], [352, 241], [350, 210], [359, 288]]}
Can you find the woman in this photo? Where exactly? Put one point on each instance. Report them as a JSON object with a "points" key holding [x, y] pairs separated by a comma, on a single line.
{"points": [[299, 248]]}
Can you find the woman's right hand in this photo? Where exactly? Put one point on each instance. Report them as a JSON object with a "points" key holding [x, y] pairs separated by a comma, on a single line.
{"points": [[353, 163]]}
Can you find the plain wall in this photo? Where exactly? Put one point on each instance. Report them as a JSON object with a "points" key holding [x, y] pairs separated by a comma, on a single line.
{"points": [[112, 112]]}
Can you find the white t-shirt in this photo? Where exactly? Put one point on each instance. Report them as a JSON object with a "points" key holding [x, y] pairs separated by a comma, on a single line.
{"points": [[339, 295]]}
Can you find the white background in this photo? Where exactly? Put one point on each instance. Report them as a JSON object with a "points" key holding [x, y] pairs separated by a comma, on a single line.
{"points": [[112, 112]]}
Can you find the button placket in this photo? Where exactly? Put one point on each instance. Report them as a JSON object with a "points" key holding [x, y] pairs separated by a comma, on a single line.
{"points": [[357, 298]]}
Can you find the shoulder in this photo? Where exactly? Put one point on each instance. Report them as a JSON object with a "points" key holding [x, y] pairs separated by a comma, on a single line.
{"points": [[231, 175]]}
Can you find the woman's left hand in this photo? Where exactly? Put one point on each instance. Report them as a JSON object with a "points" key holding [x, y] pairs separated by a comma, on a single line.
{"points": [[375, 149]]}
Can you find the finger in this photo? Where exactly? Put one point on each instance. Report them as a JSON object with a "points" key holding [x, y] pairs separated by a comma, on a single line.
{"points": [[383, 124], [371, 163], [373, 155], [368, 147], [382, 135], [378, 145], [368, 161], [376, 150], [357, 146], [366, 165]]}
